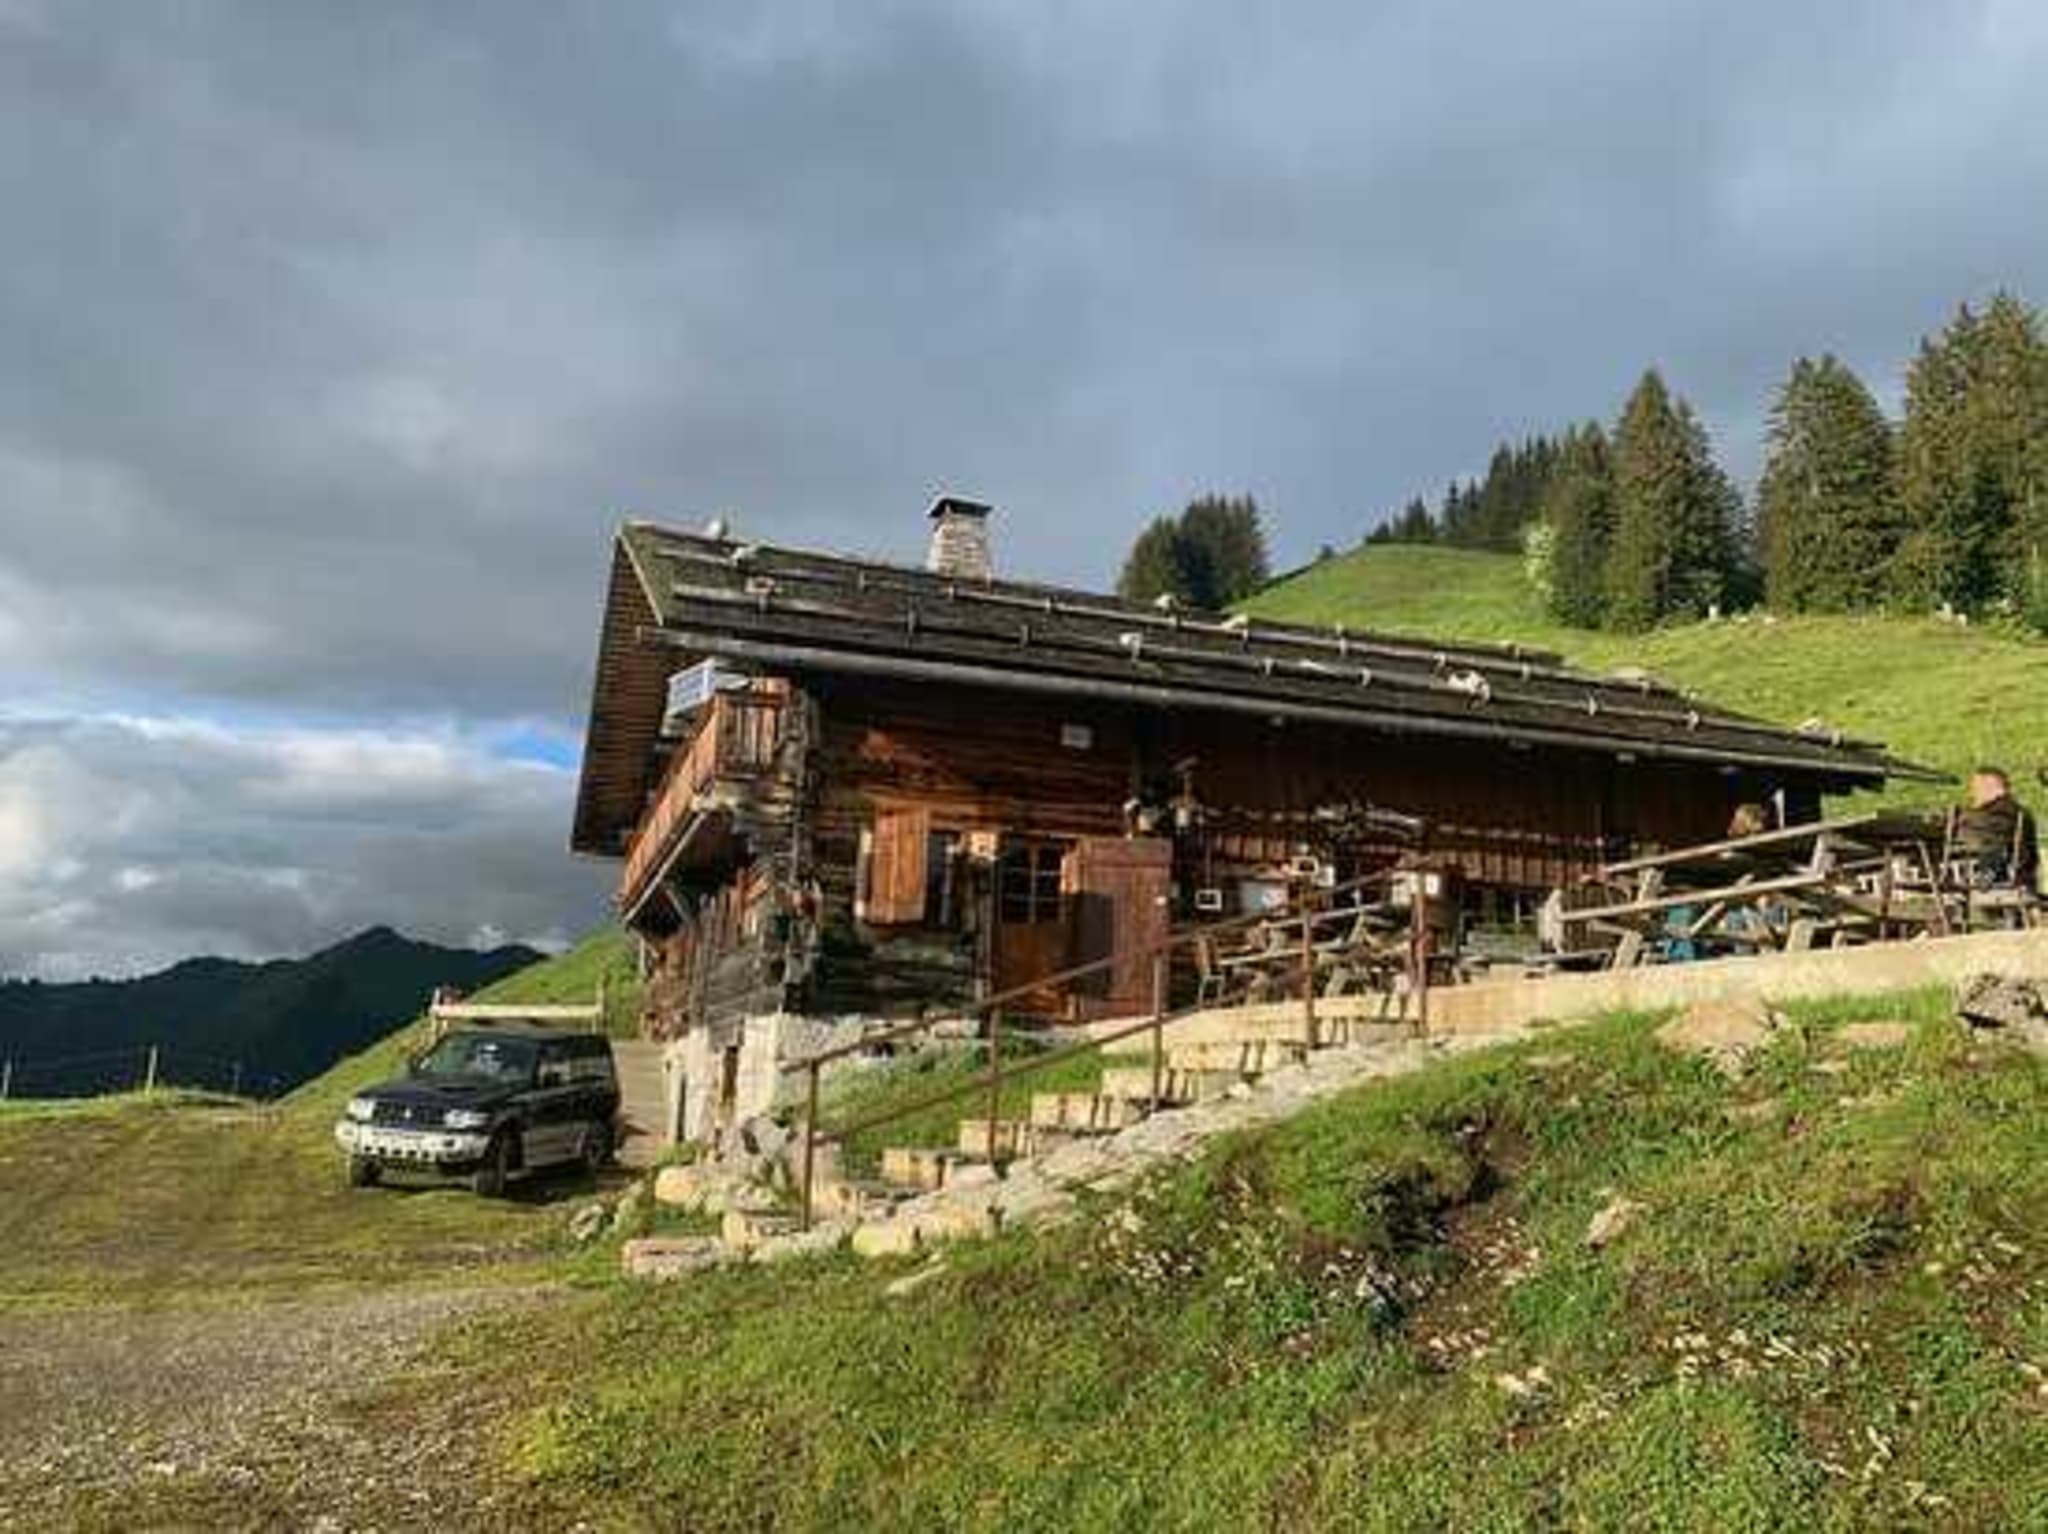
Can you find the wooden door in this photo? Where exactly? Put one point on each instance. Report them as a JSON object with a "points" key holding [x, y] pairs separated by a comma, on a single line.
{"points": [[1118, 895], [1030, 922]]}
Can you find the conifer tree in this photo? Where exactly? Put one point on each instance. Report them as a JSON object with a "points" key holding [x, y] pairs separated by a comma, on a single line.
{"points": [[1578, 509], [1675, 514], [1224, 548], [1825, 522], [1157, 565], [1972, 470]]}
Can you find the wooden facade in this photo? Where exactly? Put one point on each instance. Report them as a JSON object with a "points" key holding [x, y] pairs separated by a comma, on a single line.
{"points": [[914, 794]]}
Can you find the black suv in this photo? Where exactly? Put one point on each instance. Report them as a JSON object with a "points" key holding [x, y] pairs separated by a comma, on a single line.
{"points": [[488, 1104]]}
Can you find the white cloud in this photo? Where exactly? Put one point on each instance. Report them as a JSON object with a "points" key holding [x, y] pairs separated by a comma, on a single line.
{"points": [[128, 842]]}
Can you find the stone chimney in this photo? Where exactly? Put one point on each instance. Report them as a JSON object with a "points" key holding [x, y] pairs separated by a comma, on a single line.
{"points": [[960, 546]]}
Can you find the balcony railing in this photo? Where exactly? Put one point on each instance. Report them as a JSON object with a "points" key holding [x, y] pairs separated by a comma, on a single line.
{"points": [[736, 739]]}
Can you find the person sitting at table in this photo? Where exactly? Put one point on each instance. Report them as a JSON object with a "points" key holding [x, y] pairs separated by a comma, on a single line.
{"points": [[1994, 835], [1749, 819]]}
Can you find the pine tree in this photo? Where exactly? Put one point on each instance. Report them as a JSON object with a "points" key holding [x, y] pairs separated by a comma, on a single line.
{"points": [[1415, 525], [1224, 547], [1578, 509], [1825, 522], [1675, 514], [1157, 565], [1972, 471], [2009, 431]]}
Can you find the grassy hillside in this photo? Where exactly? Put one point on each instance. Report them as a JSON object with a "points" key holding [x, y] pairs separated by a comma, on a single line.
{"points": [[1939, 694], [1831, 1311], [173, 1196]]}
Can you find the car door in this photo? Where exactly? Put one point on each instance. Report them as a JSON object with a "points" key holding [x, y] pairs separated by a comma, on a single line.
{"points": [[555, 1116]]}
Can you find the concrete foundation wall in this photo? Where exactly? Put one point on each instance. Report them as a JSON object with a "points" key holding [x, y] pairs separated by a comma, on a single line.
{"points": [[1492, 1005], [695, 1069]]}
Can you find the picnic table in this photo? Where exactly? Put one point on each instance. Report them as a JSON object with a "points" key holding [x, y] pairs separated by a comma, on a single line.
{"points": [[1852, 879], [1349, 946]]}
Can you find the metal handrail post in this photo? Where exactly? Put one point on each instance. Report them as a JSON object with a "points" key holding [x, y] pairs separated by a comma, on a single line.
{"points": [[1159, 978], [810, 1142], [995, 1078], [1308, 971]]}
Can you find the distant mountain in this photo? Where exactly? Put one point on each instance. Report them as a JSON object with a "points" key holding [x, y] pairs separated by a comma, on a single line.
{"points": [[216, 1022]]}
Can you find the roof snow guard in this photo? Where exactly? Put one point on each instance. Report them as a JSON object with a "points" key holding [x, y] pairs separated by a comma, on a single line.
{"points": [[677, 596]]}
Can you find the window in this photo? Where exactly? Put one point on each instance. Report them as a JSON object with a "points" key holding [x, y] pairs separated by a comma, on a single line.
{"points": [[1028, 883], [942, 882]]}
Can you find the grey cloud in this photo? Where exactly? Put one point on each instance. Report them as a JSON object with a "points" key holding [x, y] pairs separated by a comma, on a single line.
{"points": [[338, 337], [127, 843]]}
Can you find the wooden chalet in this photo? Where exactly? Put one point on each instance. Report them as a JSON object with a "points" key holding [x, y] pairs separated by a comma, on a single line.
{"points": [[839, 787]]}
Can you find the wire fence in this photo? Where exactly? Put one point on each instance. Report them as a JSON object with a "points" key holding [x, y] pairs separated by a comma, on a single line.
{"points": [[134, 1068]]}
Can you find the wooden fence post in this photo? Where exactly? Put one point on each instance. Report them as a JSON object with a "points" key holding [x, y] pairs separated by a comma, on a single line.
{"points": [[149, 1072], [6, 1079]]}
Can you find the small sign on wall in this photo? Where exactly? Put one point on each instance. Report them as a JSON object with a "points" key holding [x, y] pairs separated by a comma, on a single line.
{"points": [[1078, 737]]}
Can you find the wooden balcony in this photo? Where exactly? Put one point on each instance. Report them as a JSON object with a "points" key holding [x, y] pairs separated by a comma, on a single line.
{"points": [[736, 741]]}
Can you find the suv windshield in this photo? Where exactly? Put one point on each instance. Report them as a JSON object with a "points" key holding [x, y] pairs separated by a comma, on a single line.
{"points": [[480, 1054]]}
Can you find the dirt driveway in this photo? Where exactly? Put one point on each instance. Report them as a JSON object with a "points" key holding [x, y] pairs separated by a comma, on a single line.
{"points": [[249, 1413]]}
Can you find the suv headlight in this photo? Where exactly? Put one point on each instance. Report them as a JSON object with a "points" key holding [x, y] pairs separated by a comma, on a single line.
{"points": [[361, 1109], [465, 1118]]}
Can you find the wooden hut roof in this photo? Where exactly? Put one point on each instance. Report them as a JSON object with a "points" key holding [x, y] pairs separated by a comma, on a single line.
{"points": [[679, 596]]}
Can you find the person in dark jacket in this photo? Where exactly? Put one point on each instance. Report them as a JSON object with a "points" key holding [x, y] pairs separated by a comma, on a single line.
{"points": [[1995, 834]]}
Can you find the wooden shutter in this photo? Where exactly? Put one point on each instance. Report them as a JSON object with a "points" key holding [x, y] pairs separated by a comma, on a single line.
{"points": [[898, 870]]}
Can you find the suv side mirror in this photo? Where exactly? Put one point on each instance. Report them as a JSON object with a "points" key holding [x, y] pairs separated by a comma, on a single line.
{"points": [[552, 1073]]}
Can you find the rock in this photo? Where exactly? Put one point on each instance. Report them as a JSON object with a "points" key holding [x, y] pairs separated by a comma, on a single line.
{"points": [[885, 1238], [1993, 1001], [1618, 1215], [1723, 1032], [663, 1257], [588, 1223], [683, 1187], [826, 1236], [910, 1283], [962, 1175], [1873, 1035], [630, 1210], [765, 1138]]}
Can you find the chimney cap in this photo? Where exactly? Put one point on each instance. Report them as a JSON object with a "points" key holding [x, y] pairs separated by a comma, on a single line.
{"points": [[958, 506]]}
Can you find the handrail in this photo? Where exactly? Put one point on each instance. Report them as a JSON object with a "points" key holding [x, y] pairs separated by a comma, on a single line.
{"points": [[1167, 944], [991, 1080]]}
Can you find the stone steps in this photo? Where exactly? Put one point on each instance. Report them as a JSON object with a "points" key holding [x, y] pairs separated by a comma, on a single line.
{"points": [[1280, 1025], [1005, 1139], [1134, 1083], [742, 1230], [643, 1108], [928, 1169], [1088, 1113]]}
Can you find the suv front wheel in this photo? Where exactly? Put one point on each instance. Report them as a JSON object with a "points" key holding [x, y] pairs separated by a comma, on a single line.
{"points": [[495, 1170]]}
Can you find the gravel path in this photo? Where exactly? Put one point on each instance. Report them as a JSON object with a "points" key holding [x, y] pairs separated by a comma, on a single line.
{"points": [[252, 1414]]}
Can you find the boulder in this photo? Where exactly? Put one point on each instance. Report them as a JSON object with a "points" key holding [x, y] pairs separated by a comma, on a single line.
{"points": [[2012, 1008], [885, 1238], [1873, 1035], [664, 1257], [684, 1187], [588, 1223], [765, 1138], [1993, 1001], [1616, 1216], [1723, 1032], [631, 1209], [910, 1283]]}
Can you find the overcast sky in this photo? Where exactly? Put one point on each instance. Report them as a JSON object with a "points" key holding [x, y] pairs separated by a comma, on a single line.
{"points": [[335, 338]]}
